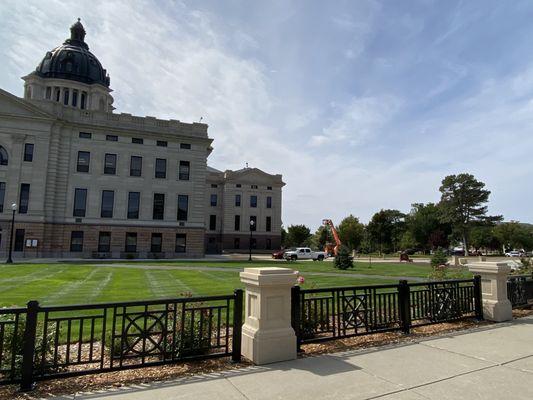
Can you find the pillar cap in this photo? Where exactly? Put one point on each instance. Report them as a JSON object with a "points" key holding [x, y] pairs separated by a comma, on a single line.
{"points": [[267, 276], [490, 267]]}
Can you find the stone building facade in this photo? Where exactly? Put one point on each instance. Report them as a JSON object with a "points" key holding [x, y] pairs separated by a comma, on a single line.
{"points": [[89, 182]]}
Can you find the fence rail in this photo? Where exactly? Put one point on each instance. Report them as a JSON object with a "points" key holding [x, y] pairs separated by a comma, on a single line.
{"points": [[520, 290], [38, 343], [332, 313]]}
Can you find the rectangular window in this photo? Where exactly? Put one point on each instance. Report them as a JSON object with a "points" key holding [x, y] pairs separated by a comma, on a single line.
{"points": [[185, 146], [268, 224], [253, 243], [253, 223], [184, 170], [213, 185], [104, 242], [254, 186], [156, 244], [134, 202], [111, 138], [58, 94], [237, 225], [236, 243], [84, 159], [162, 143], [131, 242], [110, 164], [213, 200], [183, 207], [212, 222], [159, 206], [82, 100], [269, 202], [136, 166], [108, 200], [80, 202], [19, 239], [65, 97], [181, 242], [74, 98], [160, 168], [237, 200], [48, 93], [238, 185], [76, 241], [85, 135], [24, 198], [28, 152], [253, 201], [268, 244], [269, 187], [137, 140], [2, 195]]}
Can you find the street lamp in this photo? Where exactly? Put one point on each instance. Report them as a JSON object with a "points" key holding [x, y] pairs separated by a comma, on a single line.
{"points": [[252, 223], [9, 259]]}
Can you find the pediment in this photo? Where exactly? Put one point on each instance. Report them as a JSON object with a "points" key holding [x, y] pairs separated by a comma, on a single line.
{"points": [[254, 176], [11, 105]]}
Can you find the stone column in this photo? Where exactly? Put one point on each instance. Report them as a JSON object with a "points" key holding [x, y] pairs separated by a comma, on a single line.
{"points": [[267, 334], [496, 305]]}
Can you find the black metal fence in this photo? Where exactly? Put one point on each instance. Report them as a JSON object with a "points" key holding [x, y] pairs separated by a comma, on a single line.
{"points": [[38, 343], [520, 290], [325, 314]]}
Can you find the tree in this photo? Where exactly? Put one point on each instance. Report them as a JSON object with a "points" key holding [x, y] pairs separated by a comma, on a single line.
{"points": [[426, 228], [462, 202], [351, 232], [320, 238], [386, 229], [483, 236], [343, 260], [297, 235], [514, 235]]}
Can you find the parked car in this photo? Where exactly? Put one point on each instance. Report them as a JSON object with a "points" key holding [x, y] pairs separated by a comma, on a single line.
{"points": [[515, 253], [304, 253], [278, 255]]}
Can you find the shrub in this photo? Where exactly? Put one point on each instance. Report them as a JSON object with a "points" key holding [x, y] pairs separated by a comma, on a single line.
{"points": [[343, 260], [438, 258]]}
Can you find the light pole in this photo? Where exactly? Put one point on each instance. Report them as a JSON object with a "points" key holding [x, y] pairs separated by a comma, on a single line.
{"points": [[252, 223], [9, 259]]}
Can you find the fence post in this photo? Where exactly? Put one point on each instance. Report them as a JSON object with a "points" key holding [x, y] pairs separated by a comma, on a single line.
{"points": [[296, 313], [404, 300], [478, 300], [28, 352], [237, 326]]}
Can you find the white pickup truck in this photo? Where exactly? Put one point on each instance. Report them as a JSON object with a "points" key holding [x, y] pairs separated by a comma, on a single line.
{"points": [[304, 253]]}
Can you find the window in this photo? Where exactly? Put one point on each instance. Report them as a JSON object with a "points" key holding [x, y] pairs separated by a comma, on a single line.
{"points": [[82, 100], [159, 206], [253, 226], [76, 241], [238, 185], [237, 226], [213, 200], [136, 165], [3, 156], [108, 200], [111, 138], [74, 98], [212, 222], [269, 187], [48, 94], [268, 244], [269, 202], [184, 170], [2, 195], [85, 135], [19, 239], [214, 185], [236, 243], [162, 143], [28, 152], [134, 200], [253, 201], [185, 146], [160, 168], [137, 140], [110, 164], [254, 186], [156, 244], [237, 200], [58, 94], [268, 224], [131, 242], [24, 198], [84, 159], [80, 202], [183, 207], [253, 243], [65, 97], [104, 242], [181, 242]]}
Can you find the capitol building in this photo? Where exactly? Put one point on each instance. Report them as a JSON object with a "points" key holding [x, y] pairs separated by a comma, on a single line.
{"points": [[88, 182]]}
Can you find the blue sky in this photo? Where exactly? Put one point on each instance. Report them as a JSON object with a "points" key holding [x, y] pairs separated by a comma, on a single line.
{"points": [[361, 105]]}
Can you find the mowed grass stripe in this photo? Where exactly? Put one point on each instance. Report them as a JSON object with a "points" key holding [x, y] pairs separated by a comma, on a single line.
{"points": [[40, 274], [165, 285]]}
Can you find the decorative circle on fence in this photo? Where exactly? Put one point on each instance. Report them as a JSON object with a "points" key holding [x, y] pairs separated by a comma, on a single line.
{"points": [[144, 334]]}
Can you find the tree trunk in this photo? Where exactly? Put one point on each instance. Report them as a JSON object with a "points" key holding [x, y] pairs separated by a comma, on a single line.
{"points": [[465, 244]]}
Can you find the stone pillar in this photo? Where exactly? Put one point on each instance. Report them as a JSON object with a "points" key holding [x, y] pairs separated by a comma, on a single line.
{"points": [[496, 305], [267, 334]]}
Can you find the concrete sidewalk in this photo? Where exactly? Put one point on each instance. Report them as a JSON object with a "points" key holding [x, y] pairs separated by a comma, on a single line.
{"points": [[494, 362]]}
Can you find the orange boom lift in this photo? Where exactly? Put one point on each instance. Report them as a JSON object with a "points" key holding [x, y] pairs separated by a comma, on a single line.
{"points": [[330, 249]]}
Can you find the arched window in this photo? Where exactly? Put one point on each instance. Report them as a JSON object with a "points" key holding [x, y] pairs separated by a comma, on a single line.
{"points": [[3, 156]]}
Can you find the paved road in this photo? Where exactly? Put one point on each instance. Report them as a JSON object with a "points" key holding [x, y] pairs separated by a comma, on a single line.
{"points": [[492, 363]]}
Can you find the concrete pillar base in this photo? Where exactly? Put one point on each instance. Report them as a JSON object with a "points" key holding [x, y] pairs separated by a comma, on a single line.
{"points": [[268, 347], [497, 311]]}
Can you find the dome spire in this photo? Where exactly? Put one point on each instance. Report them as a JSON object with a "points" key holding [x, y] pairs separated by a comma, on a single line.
{"points": [[77, 34]]}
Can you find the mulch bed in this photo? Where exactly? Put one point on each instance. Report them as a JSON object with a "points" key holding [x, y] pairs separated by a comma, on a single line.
{"points": [[96, 382]]}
